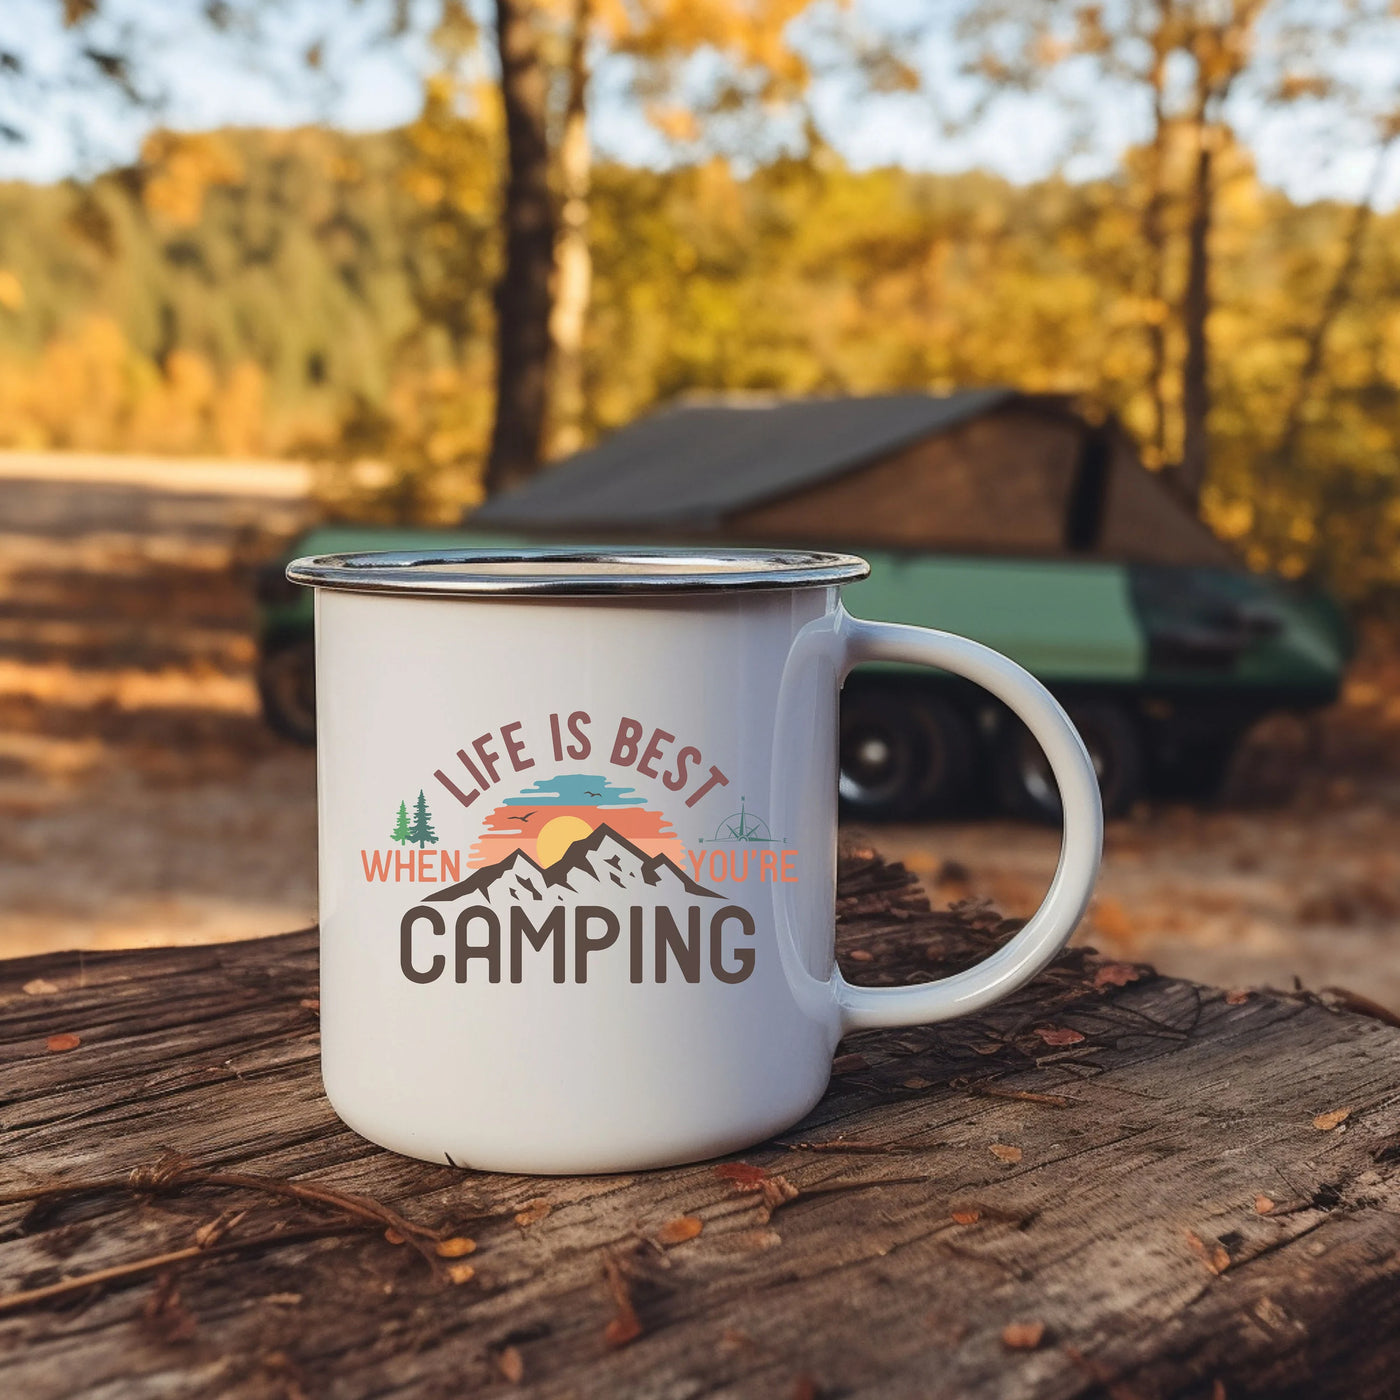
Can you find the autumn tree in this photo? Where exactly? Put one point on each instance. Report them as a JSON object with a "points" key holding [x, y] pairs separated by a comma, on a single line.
{"points": [[544, 52], [760, 75], [1219, 39], [1187, 58], [797, 276], [1339, 294]]}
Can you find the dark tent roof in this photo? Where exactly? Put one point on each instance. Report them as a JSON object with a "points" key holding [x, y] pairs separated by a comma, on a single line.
{"points": [[695, 463]]}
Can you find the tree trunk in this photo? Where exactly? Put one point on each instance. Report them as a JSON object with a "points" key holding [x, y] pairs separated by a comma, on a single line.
{"points": [[573, 264], [1154, 236], [1221, 51], [1195, 316], [523, 292]]}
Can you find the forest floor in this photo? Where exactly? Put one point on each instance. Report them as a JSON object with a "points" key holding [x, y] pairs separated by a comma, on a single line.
{"points": [[143, 801]]}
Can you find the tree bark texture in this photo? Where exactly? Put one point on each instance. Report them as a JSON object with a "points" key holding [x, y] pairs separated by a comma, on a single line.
{"points": [[523, 294], [573, 263], [1195, 316], [1154, 236]]}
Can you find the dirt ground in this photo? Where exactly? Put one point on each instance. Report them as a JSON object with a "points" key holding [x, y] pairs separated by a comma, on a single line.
{"points": [[142, 800]]}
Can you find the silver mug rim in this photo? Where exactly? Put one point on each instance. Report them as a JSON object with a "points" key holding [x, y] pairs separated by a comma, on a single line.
{"points": [[573, 571]]}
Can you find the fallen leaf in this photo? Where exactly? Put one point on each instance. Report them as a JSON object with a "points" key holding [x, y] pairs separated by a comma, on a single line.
{"points": [[744, 1176], [310, 1004], [625, 1325], [1263, 1205], [1116, 974], [916, 1082], [734, 1340], [1324, 1122], [455, 1247], [1005, 1153], [39, 987], [1215, 1257], [861, 955], [988, 1048], [393, 1236], [533, 1211], [805, 1388], [1218, 1391], [283, 1300], [1237, 996], [460, 1273], [679, 1230], [1059, 1035], [849, 1064], [65, 1041], [511, 1364], [1023, 1336], [966, 1217]]}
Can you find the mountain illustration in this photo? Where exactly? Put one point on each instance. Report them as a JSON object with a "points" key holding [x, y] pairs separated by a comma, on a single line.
{"points": [[595, 864]]}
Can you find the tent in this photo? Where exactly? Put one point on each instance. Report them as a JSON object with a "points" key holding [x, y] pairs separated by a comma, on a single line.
{"points": [[991, 471]]}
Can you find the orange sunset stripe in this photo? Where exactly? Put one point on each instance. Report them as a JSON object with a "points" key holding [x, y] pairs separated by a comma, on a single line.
{"points": [[504, 831]]}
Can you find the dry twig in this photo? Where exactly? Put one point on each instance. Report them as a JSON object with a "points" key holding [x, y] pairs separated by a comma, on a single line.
{"points": [[153, 1263]]}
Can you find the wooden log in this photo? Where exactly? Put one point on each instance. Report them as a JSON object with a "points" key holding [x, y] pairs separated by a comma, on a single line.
{"points": [[1112, 1184]]}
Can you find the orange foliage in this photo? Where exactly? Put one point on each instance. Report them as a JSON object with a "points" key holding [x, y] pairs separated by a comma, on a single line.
{"points": [[179, 167], [91, 390]]}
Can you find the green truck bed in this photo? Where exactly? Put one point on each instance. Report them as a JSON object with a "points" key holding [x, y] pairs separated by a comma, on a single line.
{"points": [[1163, 667]]}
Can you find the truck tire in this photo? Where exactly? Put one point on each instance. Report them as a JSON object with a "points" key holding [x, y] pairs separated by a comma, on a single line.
{"points": [[902, 755], [287, 688], [1022, 779], [1196, 772]]}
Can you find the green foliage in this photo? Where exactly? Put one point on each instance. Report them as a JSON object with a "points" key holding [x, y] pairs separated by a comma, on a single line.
{"points": [[317, 292], [402, 831]]}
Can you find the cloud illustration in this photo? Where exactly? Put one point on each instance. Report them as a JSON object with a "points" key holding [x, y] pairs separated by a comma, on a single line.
{"points": [[575, 790]]}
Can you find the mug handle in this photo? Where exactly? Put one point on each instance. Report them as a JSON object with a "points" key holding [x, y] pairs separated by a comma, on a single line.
{"points": [[1048, 930]]}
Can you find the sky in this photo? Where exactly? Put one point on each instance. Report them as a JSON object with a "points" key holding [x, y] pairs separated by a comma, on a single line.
{"points": [[198, 80]]}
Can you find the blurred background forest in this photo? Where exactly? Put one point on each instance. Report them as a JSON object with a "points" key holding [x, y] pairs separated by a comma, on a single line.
{"points": [[326, 294], [384, 257]]}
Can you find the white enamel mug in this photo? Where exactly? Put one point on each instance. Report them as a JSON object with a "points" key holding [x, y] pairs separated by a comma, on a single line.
{"points": [[578, 847]]}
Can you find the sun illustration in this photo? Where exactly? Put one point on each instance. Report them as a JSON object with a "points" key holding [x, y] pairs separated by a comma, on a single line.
{"points": [[557, 835], [547, 817]]}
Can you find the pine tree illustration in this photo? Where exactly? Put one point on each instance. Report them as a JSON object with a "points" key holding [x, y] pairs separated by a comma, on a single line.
{"points": [[421, 832], [401, 832]]}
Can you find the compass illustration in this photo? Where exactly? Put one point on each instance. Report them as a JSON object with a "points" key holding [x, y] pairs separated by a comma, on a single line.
{"points": [[743, 826]]}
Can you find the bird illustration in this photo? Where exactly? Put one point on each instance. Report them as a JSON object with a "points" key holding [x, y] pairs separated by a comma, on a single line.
{"points": [[586, 793], [524, 818]]}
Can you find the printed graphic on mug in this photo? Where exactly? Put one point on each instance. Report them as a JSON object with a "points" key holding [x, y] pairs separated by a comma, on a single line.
{"points": [[578, 867]]}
